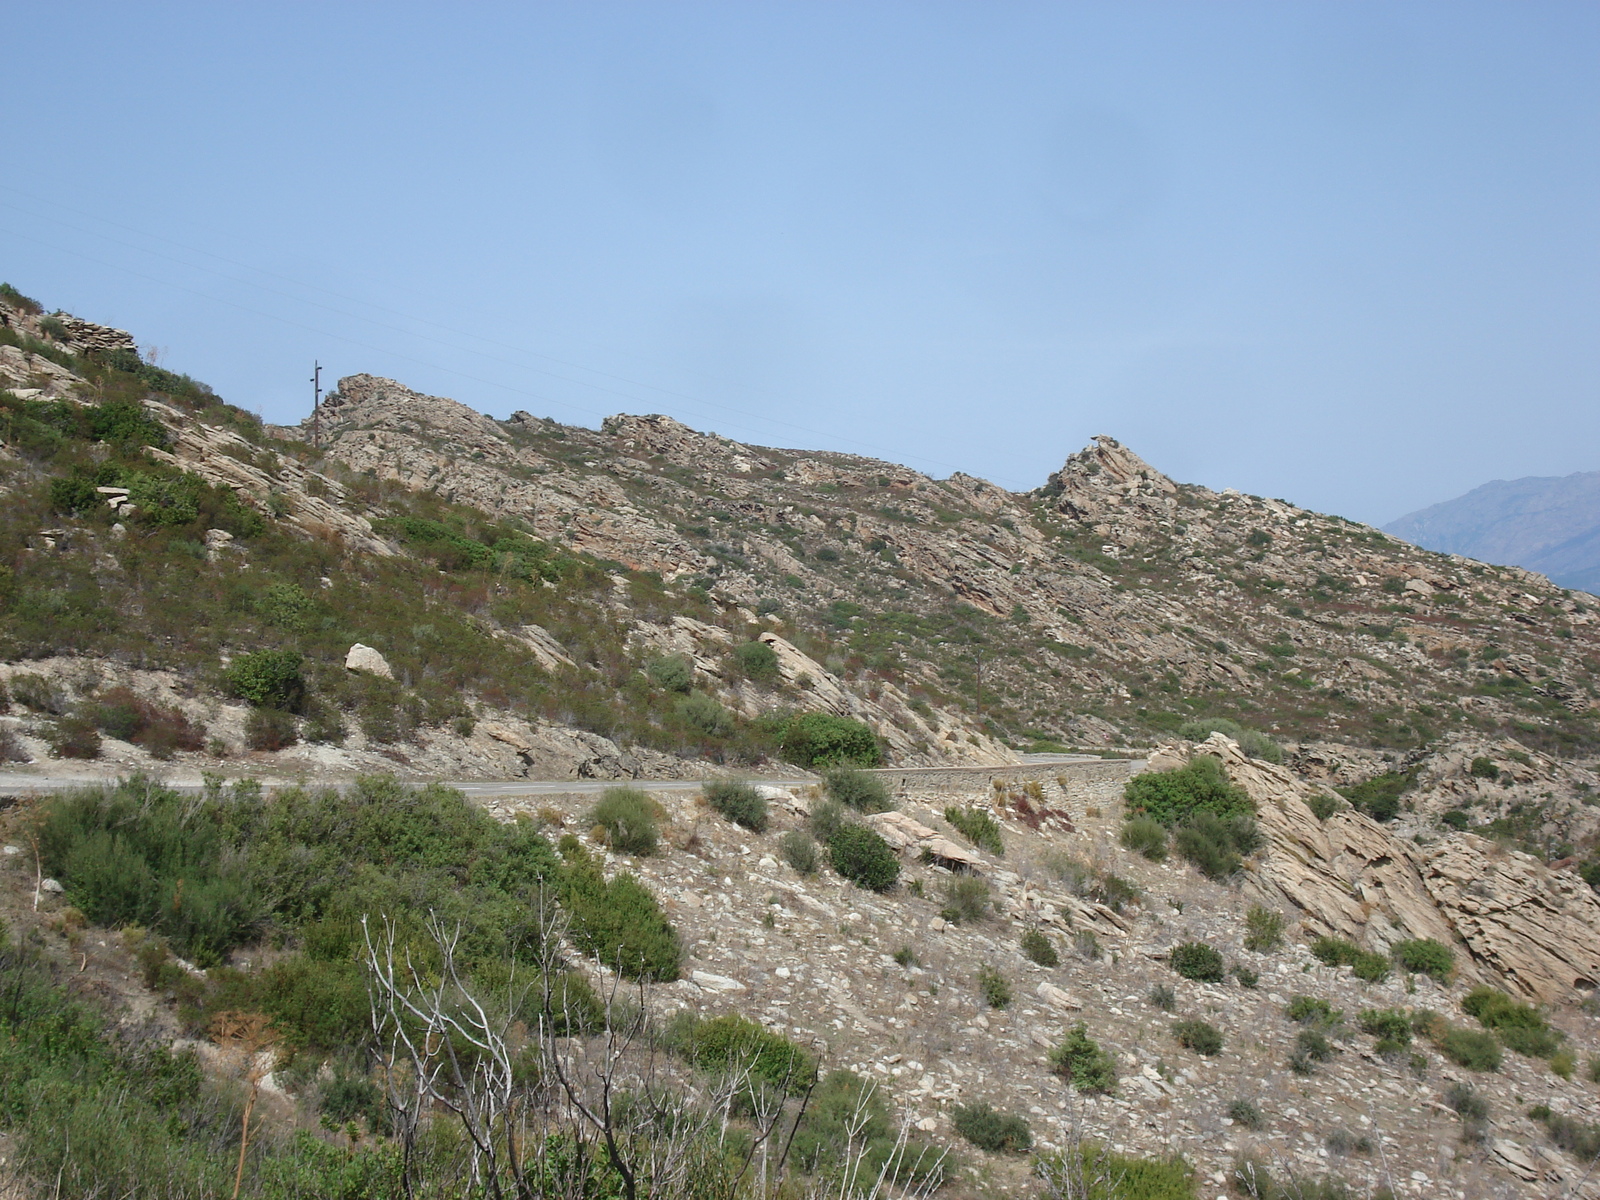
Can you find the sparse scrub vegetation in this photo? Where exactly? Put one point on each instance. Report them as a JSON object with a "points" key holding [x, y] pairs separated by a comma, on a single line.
{"points": [[1145, 836], [996, 988], [987, 1129], [1425, 956], [1083, 1064], [1198, 961], [856, 789], [628, 819], [967, 899], [978, 827], [865, 859], [799, 850], [1038, 948], [738, 802], [1198, 1036], [1263, 928]]}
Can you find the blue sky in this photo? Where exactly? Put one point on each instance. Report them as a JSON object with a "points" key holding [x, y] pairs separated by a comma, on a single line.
{"points": [[1340, 253]]}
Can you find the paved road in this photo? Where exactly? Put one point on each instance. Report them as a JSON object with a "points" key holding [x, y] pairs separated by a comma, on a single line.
{"points": [[20, 781]]}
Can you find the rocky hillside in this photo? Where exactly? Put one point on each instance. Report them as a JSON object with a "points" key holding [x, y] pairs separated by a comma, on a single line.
{"points": [[1551, 525]]}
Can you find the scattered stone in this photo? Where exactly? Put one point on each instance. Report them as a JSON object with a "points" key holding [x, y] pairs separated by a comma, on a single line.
{"points": [[367, 661]]}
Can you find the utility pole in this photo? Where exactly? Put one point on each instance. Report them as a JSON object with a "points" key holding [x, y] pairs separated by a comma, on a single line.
{"points": [[316, 406]]}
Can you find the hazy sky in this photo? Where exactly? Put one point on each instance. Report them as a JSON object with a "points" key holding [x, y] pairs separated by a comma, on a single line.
{"points": [[1339, 253]]}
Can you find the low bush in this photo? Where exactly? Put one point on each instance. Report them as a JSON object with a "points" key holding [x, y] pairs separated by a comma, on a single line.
{"points": [[1146, 836], [123, 714], [1578, 1138], [268, 679], [1163, 997], [1217, 845], [978, 827], [1391, 1026], [847, 1115], [1379, 797], [1425, 956], [1263, 928], [1520, 1027], [1322, 805], [628, 818], [701, 715], [1171, 797], [1198, 961], [1096, 1172], [757, 660], [826, 818], [799, 850], [996, 988], [619, 922], [1244, 1112], [823, 740], [1311, 1048], [1335, 951], [270, 729], [1253, 742], [1373, 968], [739, 802], [857, 789], [1039, 948], [967, 899], [1471, 1106], [1474, 1049], [672, 673], [73, 737], [987, 1129], [1484, 768], [1255, 1180], [1083, 1064], [736, 1044], [1312, 1010], [1198, 1036], [1247, 978], [864, 858]]}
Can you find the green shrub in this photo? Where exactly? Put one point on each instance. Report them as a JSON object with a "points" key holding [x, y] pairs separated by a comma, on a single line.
{"points": [[1216, 845], [978, 827], [270, 729], [996, 988], [739, 802], [1391, 1026], [987, 1129], [1425, 956], [1311, 1048], [1263, 928], [1198, 961], [1374, 968], [1247, 978], [1470, 1048], [967, 899], [1163, 997], [1335, 951], [1245, 1113], [1322, 805], [1173, 796], [823, 740], [1096, 1172], [864, 858], [799, 850], [703, 716], [1484, 768], [1083, 1064], [1520, 1027], [1578, 1138], [826, 818], [1253, 742], [1145, 836], [857, 789], [848, 1114], [1379, 797], [267, 679], [628, 817], [757, 660], [1456, 818], [1038, 948], [73, 737], [905, 956], [736, 1044], [1198, 1036], [1312, 1010], [620, 923], [672, 673], [1563, 1063]]}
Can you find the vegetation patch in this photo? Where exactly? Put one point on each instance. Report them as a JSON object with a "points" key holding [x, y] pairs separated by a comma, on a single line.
{"points": [[978, 827]]}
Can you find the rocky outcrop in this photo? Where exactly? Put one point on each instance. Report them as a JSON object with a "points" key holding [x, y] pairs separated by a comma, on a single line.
{"points": [[1531, 929], [364, 660]]}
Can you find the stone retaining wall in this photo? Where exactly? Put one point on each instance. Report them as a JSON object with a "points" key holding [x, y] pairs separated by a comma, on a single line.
{"points": [[1074, 786]]}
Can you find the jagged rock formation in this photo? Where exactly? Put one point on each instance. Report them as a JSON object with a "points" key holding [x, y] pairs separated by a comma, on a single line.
{"points": [[1525, 927]]}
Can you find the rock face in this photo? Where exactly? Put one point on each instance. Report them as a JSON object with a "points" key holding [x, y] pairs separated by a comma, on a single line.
{"points": [[1531, 929]]}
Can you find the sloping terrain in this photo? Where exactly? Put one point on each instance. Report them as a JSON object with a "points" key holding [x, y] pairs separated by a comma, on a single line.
{"points": [[1547, 524]]}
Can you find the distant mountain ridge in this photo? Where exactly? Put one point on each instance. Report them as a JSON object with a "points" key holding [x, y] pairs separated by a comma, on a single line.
{"points": [[1549, 524]]}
